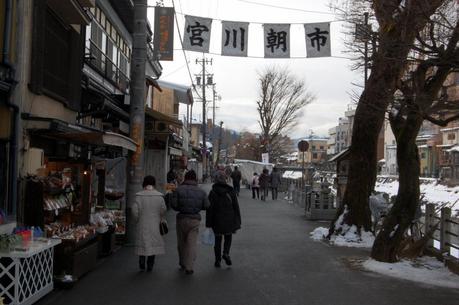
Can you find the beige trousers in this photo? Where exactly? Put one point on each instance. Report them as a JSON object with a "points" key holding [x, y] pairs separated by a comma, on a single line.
{"points": [[187, 236]]}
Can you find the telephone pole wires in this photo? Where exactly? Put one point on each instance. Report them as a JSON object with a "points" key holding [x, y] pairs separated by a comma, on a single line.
{"points": [[204, 62]]}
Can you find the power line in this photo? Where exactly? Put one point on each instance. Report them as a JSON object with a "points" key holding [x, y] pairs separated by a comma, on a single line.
{"points": [[262, 57], [176, 70], [254, 22], [184, 53], [286, 8]]}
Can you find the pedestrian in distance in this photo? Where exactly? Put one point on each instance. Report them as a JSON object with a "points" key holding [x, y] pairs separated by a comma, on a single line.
{"points": [[148, 211], [275, 182], [236, 176], [255, 186], [264, 184], [189, 200], [224, 217]]}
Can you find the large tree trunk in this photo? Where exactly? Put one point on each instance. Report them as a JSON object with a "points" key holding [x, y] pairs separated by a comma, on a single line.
{"points": [[368, 121], [387, 243], [396, 36]]}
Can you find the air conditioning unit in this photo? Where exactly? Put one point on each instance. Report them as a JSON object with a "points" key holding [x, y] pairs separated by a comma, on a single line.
{"points": [[161, 127], [34, 159]]}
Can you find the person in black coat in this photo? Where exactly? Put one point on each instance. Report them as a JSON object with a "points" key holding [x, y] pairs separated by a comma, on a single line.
{"points": [[223, 216]]}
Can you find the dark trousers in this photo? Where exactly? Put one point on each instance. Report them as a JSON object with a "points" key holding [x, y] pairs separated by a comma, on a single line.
{"points": [[150, 261], [237, 186], [264, 193], [274, 193], [218, 245], [255, 190]]}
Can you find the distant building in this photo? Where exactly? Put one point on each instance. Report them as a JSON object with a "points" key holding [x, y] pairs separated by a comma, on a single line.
{"points": [[317, 152]]}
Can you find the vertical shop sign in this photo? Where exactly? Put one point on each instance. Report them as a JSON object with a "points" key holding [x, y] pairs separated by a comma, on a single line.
{"points": [[164, 33]]}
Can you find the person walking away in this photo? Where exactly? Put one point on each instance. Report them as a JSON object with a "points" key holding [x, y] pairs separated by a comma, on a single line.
{"points": [[224, 217], [148, 211], [255, 186], [236, 176], [264, 184], [188, 200], [275, 182]]}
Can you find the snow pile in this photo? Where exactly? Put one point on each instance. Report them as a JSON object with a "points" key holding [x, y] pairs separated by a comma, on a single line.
{"points": [[349, 239], [431, 190], [345, 235], [427, 270], [319, 233]]}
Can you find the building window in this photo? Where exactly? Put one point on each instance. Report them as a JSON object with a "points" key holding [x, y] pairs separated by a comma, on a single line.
{"points": [[313, 147], [451, 136], [314, 155], [321, 147], [109, 52], [57, 57], [423, 155]]}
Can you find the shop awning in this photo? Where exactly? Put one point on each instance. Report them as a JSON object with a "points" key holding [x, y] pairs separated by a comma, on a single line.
{"points": [[153, 82], [57, 129], [158, 116], [183, 93]]}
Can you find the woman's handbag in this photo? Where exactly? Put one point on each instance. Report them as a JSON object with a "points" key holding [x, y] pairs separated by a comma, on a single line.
{"points": [[163, 229]]}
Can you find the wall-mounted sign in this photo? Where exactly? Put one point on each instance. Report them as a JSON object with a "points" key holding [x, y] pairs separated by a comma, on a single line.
{"points": [[163, 40]]}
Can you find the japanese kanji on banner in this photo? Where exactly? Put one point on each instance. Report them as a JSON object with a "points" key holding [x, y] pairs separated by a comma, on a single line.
{"points": [[234, 38], [317, 39], [197, 34], [277, 40]]}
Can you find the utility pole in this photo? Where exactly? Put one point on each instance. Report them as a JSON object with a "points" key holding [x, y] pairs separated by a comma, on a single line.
{"points": [[203, 63], [219, 144], [137, 108]]}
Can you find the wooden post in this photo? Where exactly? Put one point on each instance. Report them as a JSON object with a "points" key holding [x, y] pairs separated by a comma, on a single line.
{"points": [[444, 229], [429, 219]]}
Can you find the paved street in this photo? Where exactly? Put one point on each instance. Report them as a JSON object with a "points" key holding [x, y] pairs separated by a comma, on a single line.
{"points": [[274, 262]]}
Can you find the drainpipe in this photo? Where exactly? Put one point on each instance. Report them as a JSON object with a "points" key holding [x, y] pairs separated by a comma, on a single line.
{"points": [[12, 173]]}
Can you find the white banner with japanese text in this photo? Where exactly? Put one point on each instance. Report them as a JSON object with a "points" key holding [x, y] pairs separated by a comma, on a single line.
{"points": [[277, 40], [196, 36], [235, 38], [317, 39]]}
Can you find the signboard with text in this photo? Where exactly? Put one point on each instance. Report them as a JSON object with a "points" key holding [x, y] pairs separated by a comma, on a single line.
{"points": [[164, 33]]}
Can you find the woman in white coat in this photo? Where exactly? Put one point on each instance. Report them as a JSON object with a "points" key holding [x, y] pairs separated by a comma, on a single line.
{"points": [[148, 211]]}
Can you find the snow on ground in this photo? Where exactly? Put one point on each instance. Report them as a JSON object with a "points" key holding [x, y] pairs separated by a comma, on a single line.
{"points": [[349, 239], [432, 191], [427, 270]]}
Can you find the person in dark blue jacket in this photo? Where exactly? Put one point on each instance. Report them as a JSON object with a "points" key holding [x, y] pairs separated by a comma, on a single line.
{"points": [[189, 200]]}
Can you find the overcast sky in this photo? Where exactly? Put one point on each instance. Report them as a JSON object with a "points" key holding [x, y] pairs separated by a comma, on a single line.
{"points": [[329, 78]]}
